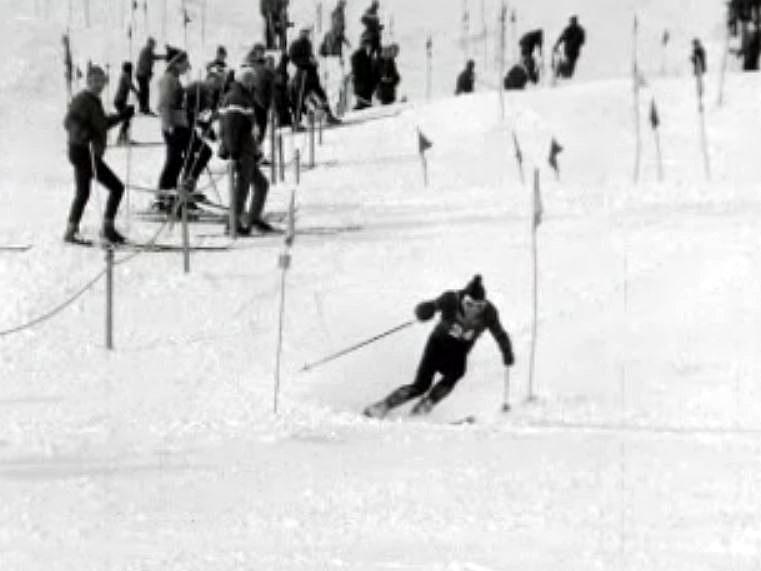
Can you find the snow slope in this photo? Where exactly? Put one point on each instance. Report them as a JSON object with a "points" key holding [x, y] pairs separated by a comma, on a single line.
{"points": [[641, 452]]}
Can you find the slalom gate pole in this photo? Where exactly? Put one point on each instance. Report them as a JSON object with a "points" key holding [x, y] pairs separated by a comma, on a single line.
{"points": [[320, 127], [334, 356], [273, 162], [311, 121], [723, 70], [428, 65], [281, 156], [109, 298], [702, 117], [534, 297], [519, 157], [635, 85], [659, 156], [506, 398], [233, 222], [297, 165], [502, 42]]}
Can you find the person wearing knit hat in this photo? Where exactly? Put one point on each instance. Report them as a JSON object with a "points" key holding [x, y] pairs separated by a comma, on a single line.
{"points": [[87, 125], [464, 315]]}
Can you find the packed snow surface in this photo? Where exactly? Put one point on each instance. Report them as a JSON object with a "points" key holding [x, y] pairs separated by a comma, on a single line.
{"points": [[642, 449]]}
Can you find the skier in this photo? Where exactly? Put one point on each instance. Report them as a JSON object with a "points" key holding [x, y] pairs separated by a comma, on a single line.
{"points": [[120, 100], [186, 154], [387, 75], [264, 74], [572, 38], [364, 74], [464, 316], [87, 125], [306, 82], [144, 73], [698, 57], [466, 79], [373, 27], [240, 146], [530, 43]]}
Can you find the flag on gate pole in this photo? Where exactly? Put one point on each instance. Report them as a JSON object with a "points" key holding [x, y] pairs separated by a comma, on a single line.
{"points": [[423, 144], [555, 150]]}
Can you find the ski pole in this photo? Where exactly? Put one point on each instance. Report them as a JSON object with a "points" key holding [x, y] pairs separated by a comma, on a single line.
{"points": [[506, 400], [353, 348]]}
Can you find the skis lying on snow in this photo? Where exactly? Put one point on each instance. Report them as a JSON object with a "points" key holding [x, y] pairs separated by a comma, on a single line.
{"points": [[150, 246], [15, 247]]}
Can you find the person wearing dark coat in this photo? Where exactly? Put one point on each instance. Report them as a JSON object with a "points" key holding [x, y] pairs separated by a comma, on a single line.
{"points": [[335, 37], [239, 145], [264, 79], [467, 79], [465, 314], [275, 15], [387, 75], [280, 95], [373, 27], [698, 58], [120, 100], [572, 38], [364, 75], [144, 73], [750, 50], [531, 50], [306, 82], [517, 77], [87, 126]]}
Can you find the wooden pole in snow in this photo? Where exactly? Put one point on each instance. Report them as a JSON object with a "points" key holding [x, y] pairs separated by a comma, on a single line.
{"points": [[536, 218], [284, 263], [636, 86], [502, 41], [109, 297], [428, 64], [723, 70]]}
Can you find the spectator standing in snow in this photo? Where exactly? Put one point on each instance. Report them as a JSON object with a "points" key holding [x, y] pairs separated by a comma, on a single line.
{"points": [[264, 79], [531, 51], [572, 38], [335, 38], [364, 74], [698, 58], [388, 75], [239, 145], [467, 79], [144, 73], [306, 82], [87, 125], [275, 15], [465, 314], [120, 100], [373, 27]]}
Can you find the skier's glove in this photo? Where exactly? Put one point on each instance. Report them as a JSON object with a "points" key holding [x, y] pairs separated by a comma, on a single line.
{"points": [[425, 311]]}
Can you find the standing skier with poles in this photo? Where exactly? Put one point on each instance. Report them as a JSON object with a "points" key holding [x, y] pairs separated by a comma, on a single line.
{"points": [[464, 316]]}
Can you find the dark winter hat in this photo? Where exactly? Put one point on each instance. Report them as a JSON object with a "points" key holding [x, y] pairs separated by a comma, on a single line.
{"points": [[94, 71], [127, 67], [475, 288]]}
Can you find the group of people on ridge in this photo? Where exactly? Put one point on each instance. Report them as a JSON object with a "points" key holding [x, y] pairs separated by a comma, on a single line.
{"points": [[565, 54]]}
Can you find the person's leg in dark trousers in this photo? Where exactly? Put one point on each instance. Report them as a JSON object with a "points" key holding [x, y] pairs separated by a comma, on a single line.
{"points": [[144, 93], [200, 156], [258, 198], [81, 160], [124, 129], [115, 188], [176, 148], [245, 173], [427, 368]]}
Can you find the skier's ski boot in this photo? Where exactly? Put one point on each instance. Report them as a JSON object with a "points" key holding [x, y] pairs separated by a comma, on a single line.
{"points": [[377, 410], [423, 406], [72, 236], [110, 234]]}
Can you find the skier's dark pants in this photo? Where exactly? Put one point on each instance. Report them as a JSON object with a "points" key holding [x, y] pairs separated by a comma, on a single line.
{"points": [[144, 92], [441, 355], [82, 160], [178, 142], [261, 116], [307, 82], [249, 174], [121, 107]]}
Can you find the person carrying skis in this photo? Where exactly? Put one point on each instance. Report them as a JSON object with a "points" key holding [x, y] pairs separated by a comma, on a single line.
{"points": [[120, 100], [87, 125], [465, 314], [572, 38]]}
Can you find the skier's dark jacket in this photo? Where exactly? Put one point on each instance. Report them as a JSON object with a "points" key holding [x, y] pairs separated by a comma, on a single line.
{"points": [[388, 78], [86, 122], [237, 120], [572, 38], [454, 326], [301, 53]]}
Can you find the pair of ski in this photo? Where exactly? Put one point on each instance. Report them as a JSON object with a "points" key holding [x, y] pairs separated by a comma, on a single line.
{"points": [[148, 246]]}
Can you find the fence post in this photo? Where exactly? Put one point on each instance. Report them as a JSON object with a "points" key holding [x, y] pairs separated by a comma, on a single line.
{"points": [[310, 119], [297, 165], [109, 298]]}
